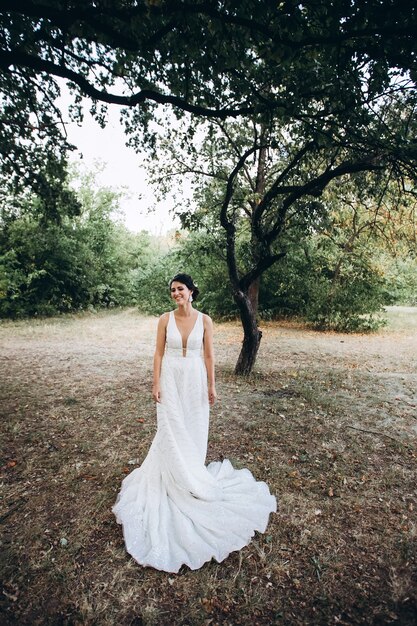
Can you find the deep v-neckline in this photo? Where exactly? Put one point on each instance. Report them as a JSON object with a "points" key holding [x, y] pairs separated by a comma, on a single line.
{"points": [[184, 345]]}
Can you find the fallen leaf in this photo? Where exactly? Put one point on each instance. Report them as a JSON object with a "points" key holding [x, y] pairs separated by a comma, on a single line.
{"points": [[10, 596]]}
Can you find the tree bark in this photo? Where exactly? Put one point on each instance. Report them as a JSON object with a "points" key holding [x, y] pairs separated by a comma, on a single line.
{"points": [[253, 295], [251, 335]]}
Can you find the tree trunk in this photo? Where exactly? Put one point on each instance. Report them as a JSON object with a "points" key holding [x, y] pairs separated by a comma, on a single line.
{"points": [[253, 295], [248, 302], [251, 335]]}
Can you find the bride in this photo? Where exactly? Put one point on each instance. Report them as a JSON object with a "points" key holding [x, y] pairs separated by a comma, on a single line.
{"points": [[174, 509]]}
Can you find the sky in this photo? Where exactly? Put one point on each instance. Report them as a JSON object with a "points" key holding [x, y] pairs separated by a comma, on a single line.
{"points": [[123, 168]]}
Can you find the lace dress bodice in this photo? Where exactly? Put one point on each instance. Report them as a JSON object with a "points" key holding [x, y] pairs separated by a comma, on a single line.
{"points": [[194, 343]]}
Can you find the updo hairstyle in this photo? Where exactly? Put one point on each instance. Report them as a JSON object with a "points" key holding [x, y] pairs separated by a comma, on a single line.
{"points": [[186, 280]]}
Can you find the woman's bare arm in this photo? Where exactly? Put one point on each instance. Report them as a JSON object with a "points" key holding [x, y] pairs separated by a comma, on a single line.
{"points": [[159, 353], [209, 358]]}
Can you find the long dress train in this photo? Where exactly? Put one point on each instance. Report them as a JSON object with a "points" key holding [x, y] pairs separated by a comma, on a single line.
{"points": [[174, 509]]}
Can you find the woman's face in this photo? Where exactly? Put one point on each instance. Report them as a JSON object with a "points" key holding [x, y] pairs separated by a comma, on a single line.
{"points": [[180, 292]]}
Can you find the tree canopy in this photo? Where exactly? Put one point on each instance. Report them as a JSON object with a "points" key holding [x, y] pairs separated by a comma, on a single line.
{"points": [[211, 59]]}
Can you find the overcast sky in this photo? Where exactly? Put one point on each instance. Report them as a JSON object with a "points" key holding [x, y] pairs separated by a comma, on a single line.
{"points": [[123, 168]]}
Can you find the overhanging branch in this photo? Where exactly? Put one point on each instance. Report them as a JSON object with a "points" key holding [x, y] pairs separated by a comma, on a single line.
{"points": [[17, 58]]}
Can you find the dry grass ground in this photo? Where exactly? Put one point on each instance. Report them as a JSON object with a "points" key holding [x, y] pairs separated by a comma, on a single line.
{"points": [[328, 420]]}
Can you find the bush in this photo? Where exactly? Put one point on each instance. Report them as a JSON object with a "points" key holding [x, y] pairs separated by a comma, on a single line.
{"points": [[48, 268], [402, 281], [330, 287]]}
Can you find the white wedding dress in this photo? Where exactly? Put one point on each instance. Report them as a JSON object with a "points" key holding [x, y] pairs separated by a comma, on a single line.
{"points": [[173, 508]]}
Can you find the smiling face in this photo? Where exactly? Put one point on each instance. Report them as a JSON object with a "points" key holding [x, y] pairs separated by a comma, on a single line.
{"points": [[180, 292]]}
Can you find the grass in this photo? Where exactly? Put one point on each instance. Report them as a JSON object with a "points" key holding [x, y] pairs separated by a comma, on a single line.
{"points": [[328, 420]]}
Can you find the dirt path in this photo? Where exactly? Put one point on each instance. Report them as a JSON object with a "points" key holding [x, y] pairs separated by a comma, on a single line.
{"points": [[328, 420]]}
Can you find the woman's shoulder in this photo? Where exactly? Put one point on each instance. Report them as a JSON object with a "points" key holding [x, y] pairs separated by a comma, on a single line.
{"points": [[207, 319], [163, 319]]}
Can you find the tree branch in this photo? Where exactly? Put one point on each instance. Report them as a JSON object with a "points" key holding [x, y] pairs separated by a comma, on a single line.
{"points": [[90, 15], [235, 148], [270, 194], [315, 187], [262, 265], [227, 223], [9, 59]]}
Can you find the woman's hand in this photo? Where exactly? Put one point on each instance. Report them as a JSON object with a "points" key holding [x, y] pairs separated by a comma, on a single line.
{"points": [[156, 393], [212, 395]]}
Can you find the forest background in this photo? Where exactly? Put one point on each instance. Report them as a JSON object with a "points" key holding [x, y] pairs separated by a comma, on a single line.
{"points": [[338, 274]]}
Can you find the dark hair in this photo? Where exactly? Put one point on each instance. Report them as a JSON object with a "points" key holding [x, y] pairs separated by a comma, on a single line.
{"points": [[186, 280]]}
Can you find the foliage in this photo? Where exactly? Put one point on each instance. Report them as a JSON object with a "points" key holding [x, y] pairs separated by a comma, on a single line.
{"points": [[323, 244], [199, 255], [402, 280], [41, 272], [339, 273], [330, 291], [338, 276], [151, 283], [267, 178], [308, 63], [204, 256], [72, 262]]}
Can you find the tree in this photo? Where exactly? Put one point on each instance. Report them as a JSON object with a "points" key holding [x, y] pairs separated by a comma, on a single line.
{"points": [[74, 261], [272, 181], [330, 88]]}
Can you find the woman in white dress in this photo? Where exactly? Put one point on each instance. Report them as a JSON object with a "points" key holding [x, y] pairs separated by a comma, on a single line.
{"points": [[174, 509]]}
